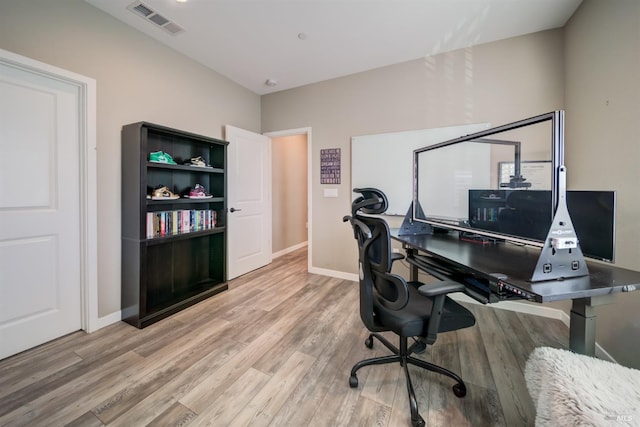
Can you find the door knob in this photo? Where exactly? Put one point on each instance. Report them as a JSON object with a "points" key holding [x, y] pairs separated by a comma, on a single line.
{"points": [[232, 210]]}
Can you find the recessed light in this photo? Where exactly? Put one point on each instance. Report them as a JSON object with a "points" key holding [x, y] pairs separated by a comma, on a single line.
{"points": [[302, 36], [181, 1], [271, 82]]}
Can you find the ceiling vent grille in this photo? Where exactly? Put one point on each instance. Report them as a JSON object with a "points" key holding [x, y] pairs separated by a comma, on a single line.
{"points": [[148, 14]]}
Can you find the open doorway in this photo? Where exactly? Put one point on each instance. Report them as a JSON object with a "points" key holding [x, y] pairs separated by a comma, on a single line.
{"points": [[291, 207]]}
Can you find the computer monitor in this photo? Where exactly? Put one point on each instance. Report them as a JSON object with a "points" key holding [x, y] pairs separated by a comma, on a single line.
{"points": [[444, 173], [526, 213]]}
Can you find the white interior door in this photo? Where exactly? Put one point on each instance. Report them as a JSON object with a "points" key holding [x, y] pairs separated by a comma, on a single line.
{"points": [[248, 201], [40, 254]]}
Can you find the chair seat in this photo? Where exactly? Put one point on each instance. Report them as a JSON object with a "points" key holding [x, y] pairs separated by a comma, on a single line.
{"points": [[410, 321]]}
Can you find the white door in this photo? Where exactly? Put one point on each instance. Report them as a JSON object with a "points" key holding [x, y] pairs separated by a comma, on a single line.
{"points": [[248, 201], [40, 254]]}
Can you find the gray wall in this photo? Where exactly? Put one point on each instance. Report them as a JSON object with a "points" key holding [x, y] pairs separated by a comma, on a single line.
{"points": [[602, 147], [498, 83], [137, 79]]}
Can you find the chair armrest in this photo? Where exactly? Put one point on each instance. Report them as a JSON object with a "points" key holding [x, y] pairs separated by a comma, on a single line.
{"points": [[438, 292], [396, 256], [440, 288]]}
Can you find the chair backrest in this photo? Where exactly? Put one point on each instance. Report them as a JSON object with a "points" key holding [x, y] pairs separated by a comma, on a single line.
{"points": [[378, 287], [373, 201]]}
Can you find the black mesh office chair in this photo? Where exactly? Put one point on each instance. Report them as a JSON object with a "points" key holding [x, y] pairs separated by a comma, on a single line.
{"points": [[389, 303]]}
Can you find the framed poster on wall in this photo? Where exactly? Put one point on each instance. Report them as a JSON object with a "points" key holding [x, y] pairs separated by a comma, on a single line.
{"points": [[330, 166]]}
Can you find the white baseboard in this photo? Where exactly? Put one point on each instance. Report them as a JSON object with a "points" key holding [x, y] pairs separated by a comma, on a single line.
{"points": [[107, 320], [289, 249], [333, 273]]}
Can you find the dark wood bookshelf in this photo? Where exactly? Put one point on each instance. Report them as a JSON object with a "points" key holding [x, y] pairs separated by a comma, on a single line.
{"points": [[165, 273]]}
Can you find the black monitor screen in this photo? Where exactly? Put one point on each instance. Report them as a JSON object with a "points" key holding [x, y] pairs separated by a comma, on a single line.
{"points": [[527, 214]]}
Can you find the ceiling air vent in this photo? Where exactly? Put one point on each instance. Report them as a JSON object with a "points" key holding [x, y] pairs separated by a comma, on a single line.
{"points": [[145, 12]]}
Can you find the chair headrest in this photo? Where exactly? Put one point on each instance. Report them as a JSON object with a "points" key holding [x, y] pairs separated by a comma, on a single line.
{"points": [[372, 201]]}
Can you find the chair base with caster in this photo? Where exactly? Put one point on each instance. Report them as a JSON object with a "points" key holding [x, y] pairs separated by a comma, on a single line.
{"points": [[402, 356]]}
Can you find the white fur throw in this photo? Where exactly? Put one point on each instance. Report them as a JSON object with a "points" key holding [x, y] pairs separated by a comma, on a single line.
{"points": [[570, 389]]}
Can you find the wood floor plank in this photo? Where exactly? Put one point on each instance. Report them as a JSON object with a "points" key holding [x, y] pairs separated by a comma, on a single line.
{"points": [[382, 381], [174, 416], [444, 407], [160, 368], [545, 332], [222, 412], [73, 398], [21, 377], [260, 410], [39, 354], [471, 349], [300, 336], [198, 398], [40, 386], [88, 419], [369, 413], [306, 398], [516, 403], [339, 401], [482, 406], [515, 335], [121, 339], [275, 349], [286, 317], [162, 399]]}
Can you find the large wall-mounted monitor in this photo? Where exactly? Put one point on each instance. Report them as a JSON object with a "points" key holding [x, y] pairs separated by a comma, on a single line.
{"points": [[445, 173]]}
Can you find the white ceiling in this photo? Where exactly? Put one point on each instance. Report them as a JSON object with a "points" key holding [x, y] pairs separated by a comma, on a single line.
{"points": [[250, 41]]}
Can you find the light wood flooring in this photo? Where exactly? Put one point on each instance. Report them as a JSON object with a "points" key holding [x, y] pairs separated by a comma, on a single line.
{"points": [[275, 349]]}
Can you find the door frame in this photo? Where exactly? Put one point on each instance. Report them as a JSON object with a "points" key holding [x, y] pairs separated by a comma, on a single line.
{"points": [[302, 131], [87, 175]]}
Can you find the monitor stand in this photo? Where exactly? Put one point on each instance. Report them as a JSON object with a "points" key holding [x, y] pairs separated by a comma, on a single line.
{"points": [[410, 227], [561, 256]]}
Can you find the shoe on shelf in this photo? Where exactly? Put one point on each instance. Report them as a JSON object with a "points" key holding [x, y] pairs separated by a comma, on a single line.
{"points": [[163, 193], [198, 192], [161, 157], [197, 162]]}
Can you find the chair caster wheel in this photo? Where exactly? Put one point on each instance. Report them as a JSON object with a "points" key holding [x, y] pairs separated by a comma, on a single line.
{"points": [[460, 390], [420, 348], [418, 423], [353, 381], [369, 342]]}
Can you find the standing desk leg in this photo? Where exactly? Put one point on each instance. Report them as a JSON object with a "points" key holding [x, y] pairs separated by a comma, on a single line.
{"points": [[413, 269], [582, 327]]}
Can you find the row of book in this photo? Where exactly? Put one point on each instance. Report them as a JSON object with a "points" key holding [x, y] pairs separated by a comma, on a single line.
{"points": [[167, 223]]}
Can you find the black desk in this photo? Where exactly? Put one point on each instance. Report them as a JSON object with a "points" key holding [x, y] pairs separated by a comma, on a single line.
{"points": [[501, 271]]}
